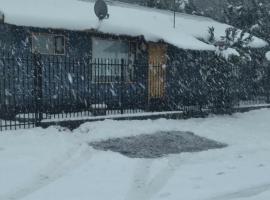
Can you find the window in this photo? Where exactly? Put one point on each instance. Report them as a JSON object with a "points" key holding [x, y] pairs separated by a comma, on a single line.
{"points": [[48, 44], [59, 45], [111, 52]]}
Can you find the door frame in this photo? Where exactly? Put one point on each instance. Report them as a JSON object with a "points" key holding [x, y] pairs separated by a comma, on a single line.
{"points": [[157, 62]]}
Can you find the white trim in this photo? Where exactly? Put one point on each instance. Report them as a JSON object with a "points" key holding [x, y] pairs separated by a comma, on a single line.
{"points": [[111, 117]]}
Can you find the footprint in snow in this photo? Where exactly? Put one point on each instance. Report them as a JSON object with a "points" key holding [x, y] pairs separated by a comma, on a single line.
{"points": [[44, 177], [165, 195], [240, 156], [232, 167], [220, 173], [197, 178]]}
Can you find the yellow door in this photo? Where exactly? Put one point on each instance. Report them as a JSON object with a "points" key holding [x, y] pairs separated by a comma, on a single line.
{"points": [[157, 72]]}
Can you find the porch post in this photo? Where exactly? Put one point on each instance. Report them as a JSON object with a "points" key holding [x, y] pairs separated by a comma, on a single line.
{"points": [[37, 88], [268, 85], [122, 85]]}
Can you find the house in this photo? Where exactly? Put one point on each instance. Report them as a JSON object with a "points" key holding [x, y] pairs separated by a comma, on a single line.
{"points": [[83, 60]]}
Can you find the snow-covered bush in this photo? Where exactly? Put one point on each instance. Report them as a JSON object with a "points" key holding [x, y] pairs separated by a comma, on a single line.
{"points": [[267, 55], [201, 79]]}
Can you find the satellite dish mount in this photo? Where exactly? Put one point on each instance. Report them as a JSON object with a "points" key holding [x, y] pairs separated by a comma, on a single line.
{"points": [[101, 10]]}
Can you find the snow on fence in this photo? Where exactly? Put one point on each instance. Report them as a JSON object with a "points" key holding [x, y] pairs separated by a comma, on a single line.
{"points": [[36, 89]]}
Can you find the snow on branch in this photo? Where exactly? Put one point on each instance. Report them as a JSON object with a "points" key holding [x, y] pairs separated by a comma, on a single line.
{"points": [[227, 53]]}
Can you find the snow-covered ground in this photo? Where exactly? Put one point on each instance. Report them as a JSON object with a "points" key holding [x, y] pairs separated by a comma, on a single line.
{"points": [[58, 164]]}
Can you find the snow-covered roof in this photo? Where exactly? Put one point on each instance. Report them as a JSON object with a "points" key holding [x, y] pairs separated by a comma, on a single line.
{"points": [[124, 19]]}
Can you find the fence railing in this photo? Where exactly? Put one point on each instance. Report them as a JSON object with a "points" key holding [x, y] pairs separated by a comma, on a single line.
{"points": [[36, 89]]}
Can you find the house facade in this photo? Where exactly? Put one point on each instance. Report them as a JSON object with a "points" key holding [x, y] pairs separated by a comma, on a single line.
{"points": [[61, 69], [83, 68], [93, 58]]}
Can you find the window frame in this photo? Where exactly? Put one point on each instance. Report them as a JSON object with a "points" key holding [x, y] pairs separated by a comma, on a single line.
{"points": [[64, 44], [128, 78], [54, 36]]}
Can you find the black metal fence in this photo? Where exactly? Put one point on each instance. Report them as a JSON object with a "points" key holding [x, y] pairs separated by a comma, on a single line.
{"points": [[36, 89]]}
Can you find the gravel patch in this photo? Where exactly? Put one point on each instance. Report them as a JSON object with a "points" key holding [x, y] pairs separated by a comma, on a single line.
{"points": [[157, 145]]}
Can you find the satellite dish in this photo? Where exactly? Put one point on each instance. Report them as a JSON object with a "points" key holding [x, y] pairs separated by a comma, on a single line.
{"points": [[101, 10]]}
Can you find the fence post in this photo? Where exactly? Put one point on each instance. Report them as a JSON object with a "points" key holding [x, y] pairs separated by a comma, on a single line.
{"points": [[37, 88], [268, 85], [122, 85]]}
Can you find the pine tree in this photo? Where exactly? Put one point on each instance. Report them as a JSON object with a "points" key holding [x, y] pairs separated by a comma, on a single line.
{"points": [[252, 17]]}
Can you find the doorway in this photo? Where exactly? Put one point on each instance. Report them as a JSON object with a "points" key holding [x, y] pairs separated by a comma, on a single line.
{"points": [[157, 71]]}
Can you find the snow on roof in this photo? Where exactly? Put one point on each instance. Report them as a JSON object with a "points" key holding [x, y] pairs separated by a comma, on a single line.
{"points": [[153, 24]]}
